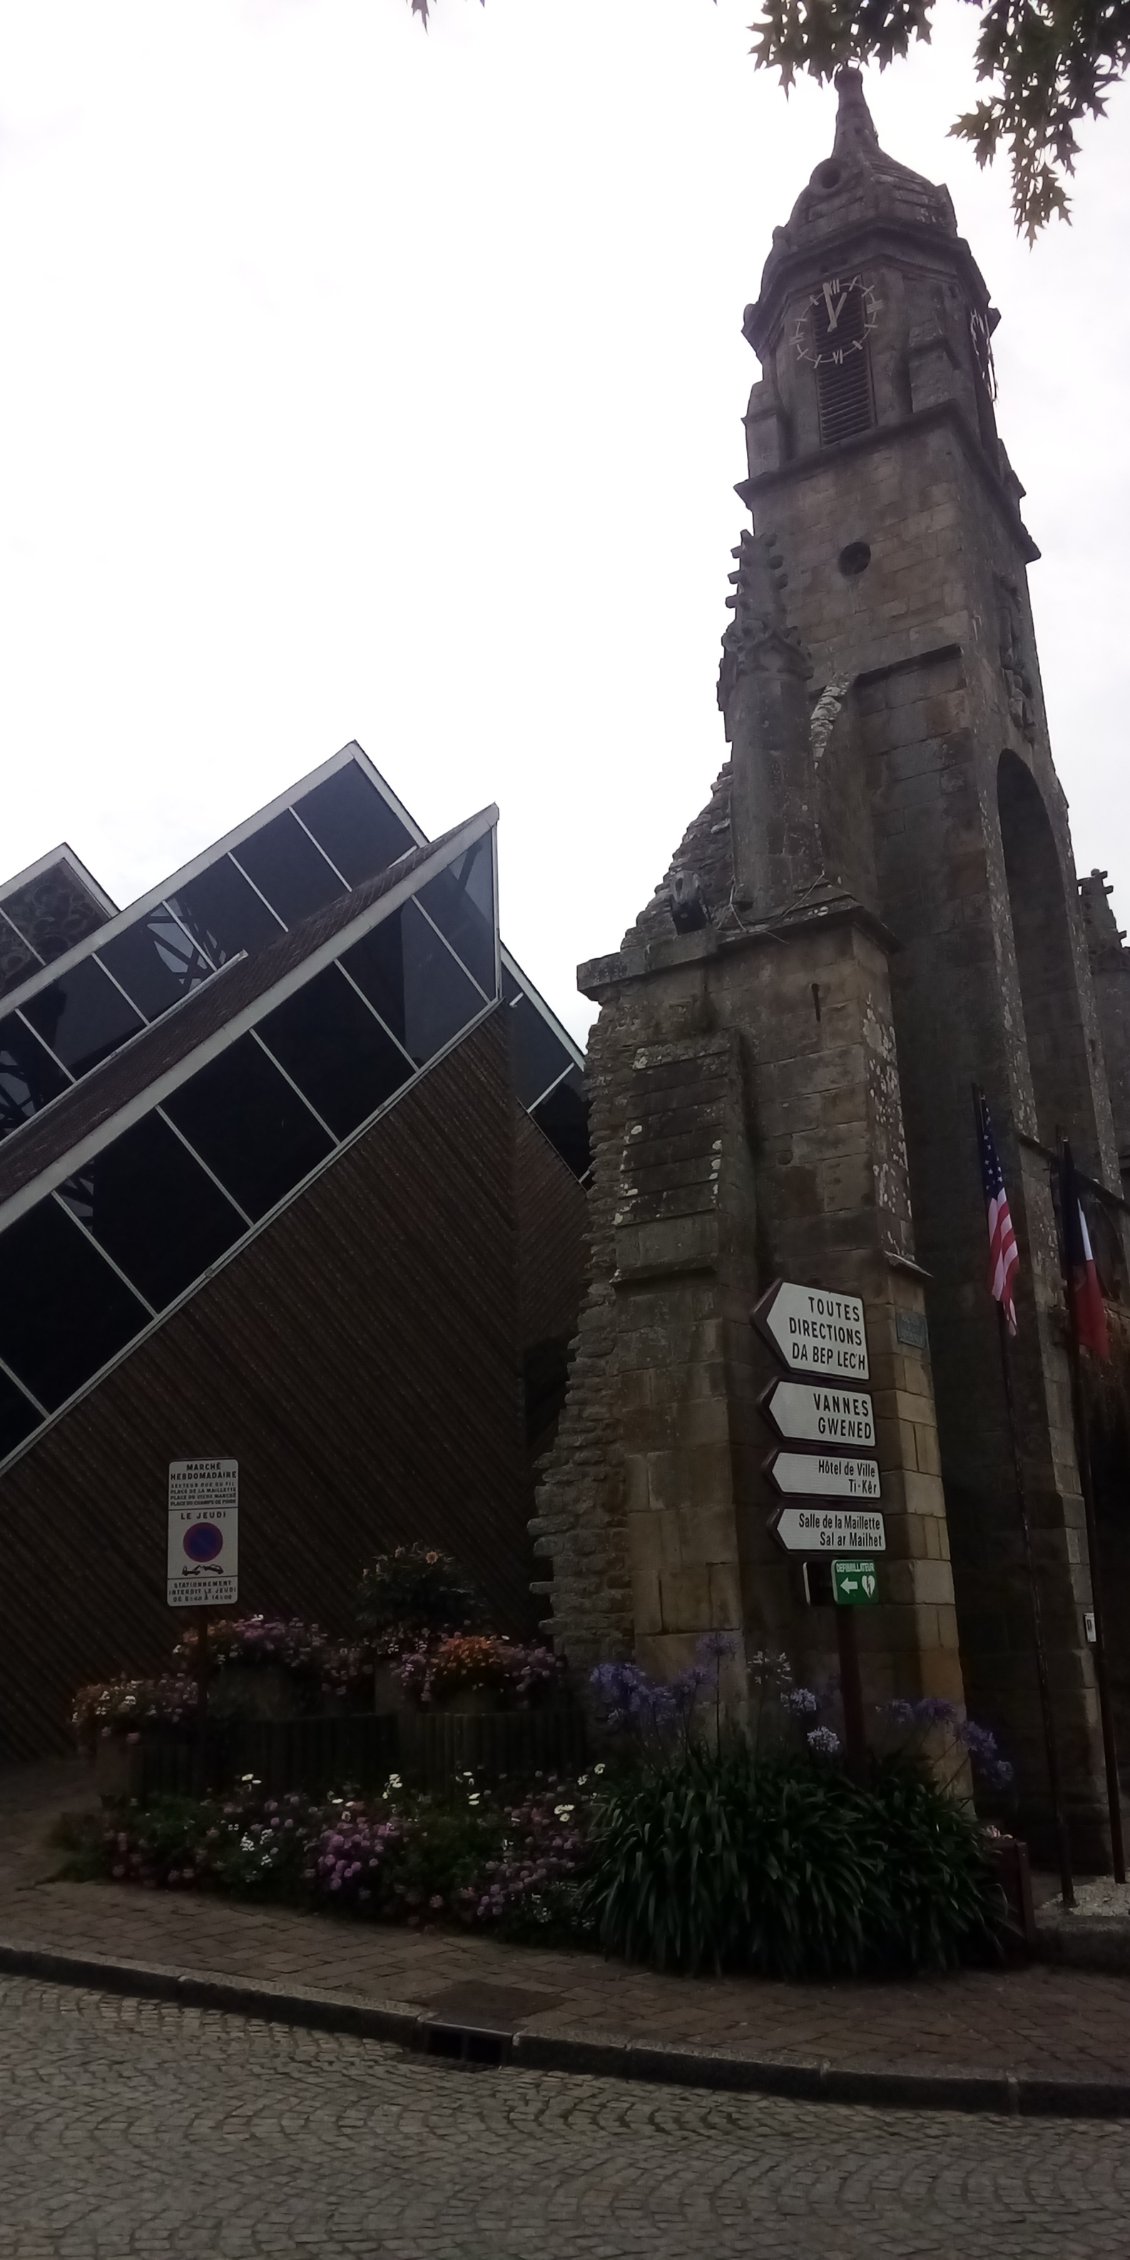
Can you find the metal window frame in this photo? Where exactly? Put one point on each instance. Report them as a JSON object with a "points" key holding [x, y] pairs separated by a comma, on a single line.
{"points": [[60, 854], [193, 944], [247, 1018], [23, 942], [212, 1048], [348, 755], [58, 1202]]}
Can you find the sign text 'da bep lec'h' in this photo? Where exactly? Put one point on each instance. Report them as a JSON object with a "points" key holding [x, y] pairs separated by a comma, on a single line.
{"points": [[815, 1330]]}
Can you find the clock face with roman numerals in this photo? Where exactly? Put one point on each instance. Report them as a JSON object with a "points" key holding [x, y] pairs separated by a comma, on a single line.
{"points": [[836, 322]]}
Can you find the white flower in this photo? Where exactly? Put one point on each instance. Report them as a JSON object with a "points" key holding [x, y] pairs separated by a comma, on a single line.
{"points": [[563, 1812], [598, 1769], [393, 1782]]}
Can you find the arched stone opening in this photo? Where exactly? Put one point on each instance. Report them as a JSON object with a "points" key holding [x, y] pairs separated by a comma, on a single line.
{"points": [[1049, 987]]}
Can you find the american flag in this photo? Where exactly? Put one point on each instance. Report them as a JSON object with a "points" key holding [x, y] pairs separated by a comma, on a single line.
{"points": [[1004, 1260]]}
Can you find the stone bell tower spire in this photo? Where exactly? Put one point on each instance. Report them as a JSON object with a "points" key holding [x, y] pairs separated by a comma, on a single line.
{"points": [[874, 457], [876, 909], [855, 126], [763, 693]]}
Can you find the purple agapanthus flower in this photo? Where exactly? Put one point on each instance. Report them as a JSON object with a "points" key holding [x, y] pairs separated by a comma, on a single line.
{"points": [[824, 1742]]}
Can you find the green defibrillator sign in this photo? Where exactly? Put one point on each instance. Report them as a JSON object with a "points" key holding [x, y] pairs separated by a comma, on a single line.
{"points": [[854, 1583]]}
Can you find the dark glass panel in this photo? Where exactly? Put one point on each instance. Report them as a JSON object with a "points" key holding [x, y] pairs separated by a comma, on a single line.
{"points": [[152, 1208], [28, 1077], [461, 900], [564, 1117], [54, 912], [288, 869], [64, 1313], [17, 961], [224, 914], [82, 1016], [537, 1052], [17, 1417], [510, 988], [414, 982], [250, 1127], [328, 1040], [155, 962], [354, 825]]}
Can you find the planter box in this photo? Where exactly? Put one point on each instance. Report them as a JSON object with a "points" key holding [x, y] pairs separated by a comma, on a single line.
{"points": [[119, 1769], [389, 1698], [500, 1745], [316, 1754], [1010, 1858]]}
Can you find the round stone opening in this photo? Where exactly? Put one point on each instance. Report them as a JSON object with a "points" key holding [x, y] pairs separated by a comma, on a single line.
{"points": [[854, 559]]}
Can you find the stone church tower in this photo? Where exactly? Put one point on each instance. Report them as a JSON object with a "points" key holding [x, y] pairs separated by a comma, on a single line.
{"points": [[877, 908]]}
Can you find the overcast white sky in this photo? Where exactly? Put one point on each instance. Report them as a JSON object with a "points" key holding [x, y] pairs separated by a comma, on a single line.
{"points": [[357, 383]]}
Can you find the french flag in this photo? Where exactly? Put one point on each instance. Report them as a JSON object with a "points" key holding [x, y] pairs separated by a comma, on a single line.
{"points": [[1088, 1315]]}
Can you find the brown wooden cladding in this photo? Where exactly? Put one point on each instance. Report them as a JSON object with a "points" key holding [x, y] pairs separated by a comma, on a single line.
{"points": [[361, 1358], [552, 1224]]}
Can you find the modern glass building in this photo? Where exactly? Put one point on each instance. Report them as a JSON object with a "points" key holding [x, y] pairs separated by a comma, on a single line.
{"points": [[179, 1082]]}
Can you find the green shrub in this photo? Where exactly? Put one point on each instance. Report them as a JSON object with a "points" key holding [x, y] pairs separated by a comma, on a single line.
{"points": [[413, 1591], [782, 1865]]}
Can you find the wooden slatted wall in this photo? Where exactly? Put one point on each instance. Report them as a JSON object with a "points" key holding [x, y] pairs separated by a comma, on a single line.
{"points": [[361, 1358]]}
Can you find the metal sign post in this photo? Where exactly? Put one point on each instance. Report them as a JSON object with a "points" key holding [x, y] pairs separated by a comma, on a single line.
{"points": [[203, 1563], [821, 1337]]}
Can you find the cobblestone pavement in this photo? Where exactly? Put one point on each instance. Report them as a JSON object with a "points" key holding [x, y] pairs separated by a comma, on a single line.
{"points": [[135, 2130]]}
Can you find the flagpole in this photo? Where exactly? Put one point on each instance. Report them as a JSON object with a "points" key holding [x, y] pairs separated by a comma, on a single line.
{"points": [[1051, 1753], [1086, 1485], [1055, 1789]]}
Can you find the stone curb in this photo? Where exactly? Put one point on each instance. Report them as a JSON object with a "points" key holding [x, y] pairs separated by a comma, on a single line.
{"points": [[1011, 2094], [1077, 1944]]}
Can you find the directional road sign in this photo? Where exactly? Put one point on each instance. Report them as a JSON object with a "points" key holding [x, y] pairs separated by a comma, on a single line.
{"points": [[805, 1412], [854, 1583], [813, 1330], [829, 1530], [823, 1475]]}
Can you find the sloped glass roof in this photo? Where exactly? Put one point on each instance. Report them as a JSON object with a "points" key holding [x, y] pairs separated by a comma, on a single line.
{"points": [[332, 831], [126, 1222]]}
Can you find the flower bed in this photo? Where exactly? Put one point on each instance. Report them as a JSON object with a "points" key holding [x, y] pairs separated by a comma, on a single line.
{"points": [[476, 1665], [475, 1857], [694, 1848]]}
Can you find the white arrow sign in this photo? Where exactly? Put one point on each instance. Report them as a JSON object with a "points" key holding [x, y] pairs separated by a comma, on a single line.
{"points": [[814, 1330], [829, 1530], [804, 1412], [824, 1475]]}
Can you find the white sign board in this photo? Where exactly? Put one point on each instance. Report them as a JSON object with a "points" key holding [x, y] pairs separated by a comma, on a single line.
{"points": [[203, 1562], [805, 1413], [824, 1475], [830, 1530], [814, 1330]]}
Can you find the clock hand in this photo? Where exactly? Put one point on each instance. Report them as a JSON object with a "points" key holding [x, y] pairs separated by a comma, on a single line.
{"points": [[834, 311]]}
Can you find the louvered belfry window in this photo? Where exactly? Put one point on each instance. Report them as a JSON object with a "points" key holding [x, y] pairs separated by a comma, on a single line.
{"points": [[843, 366]]}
